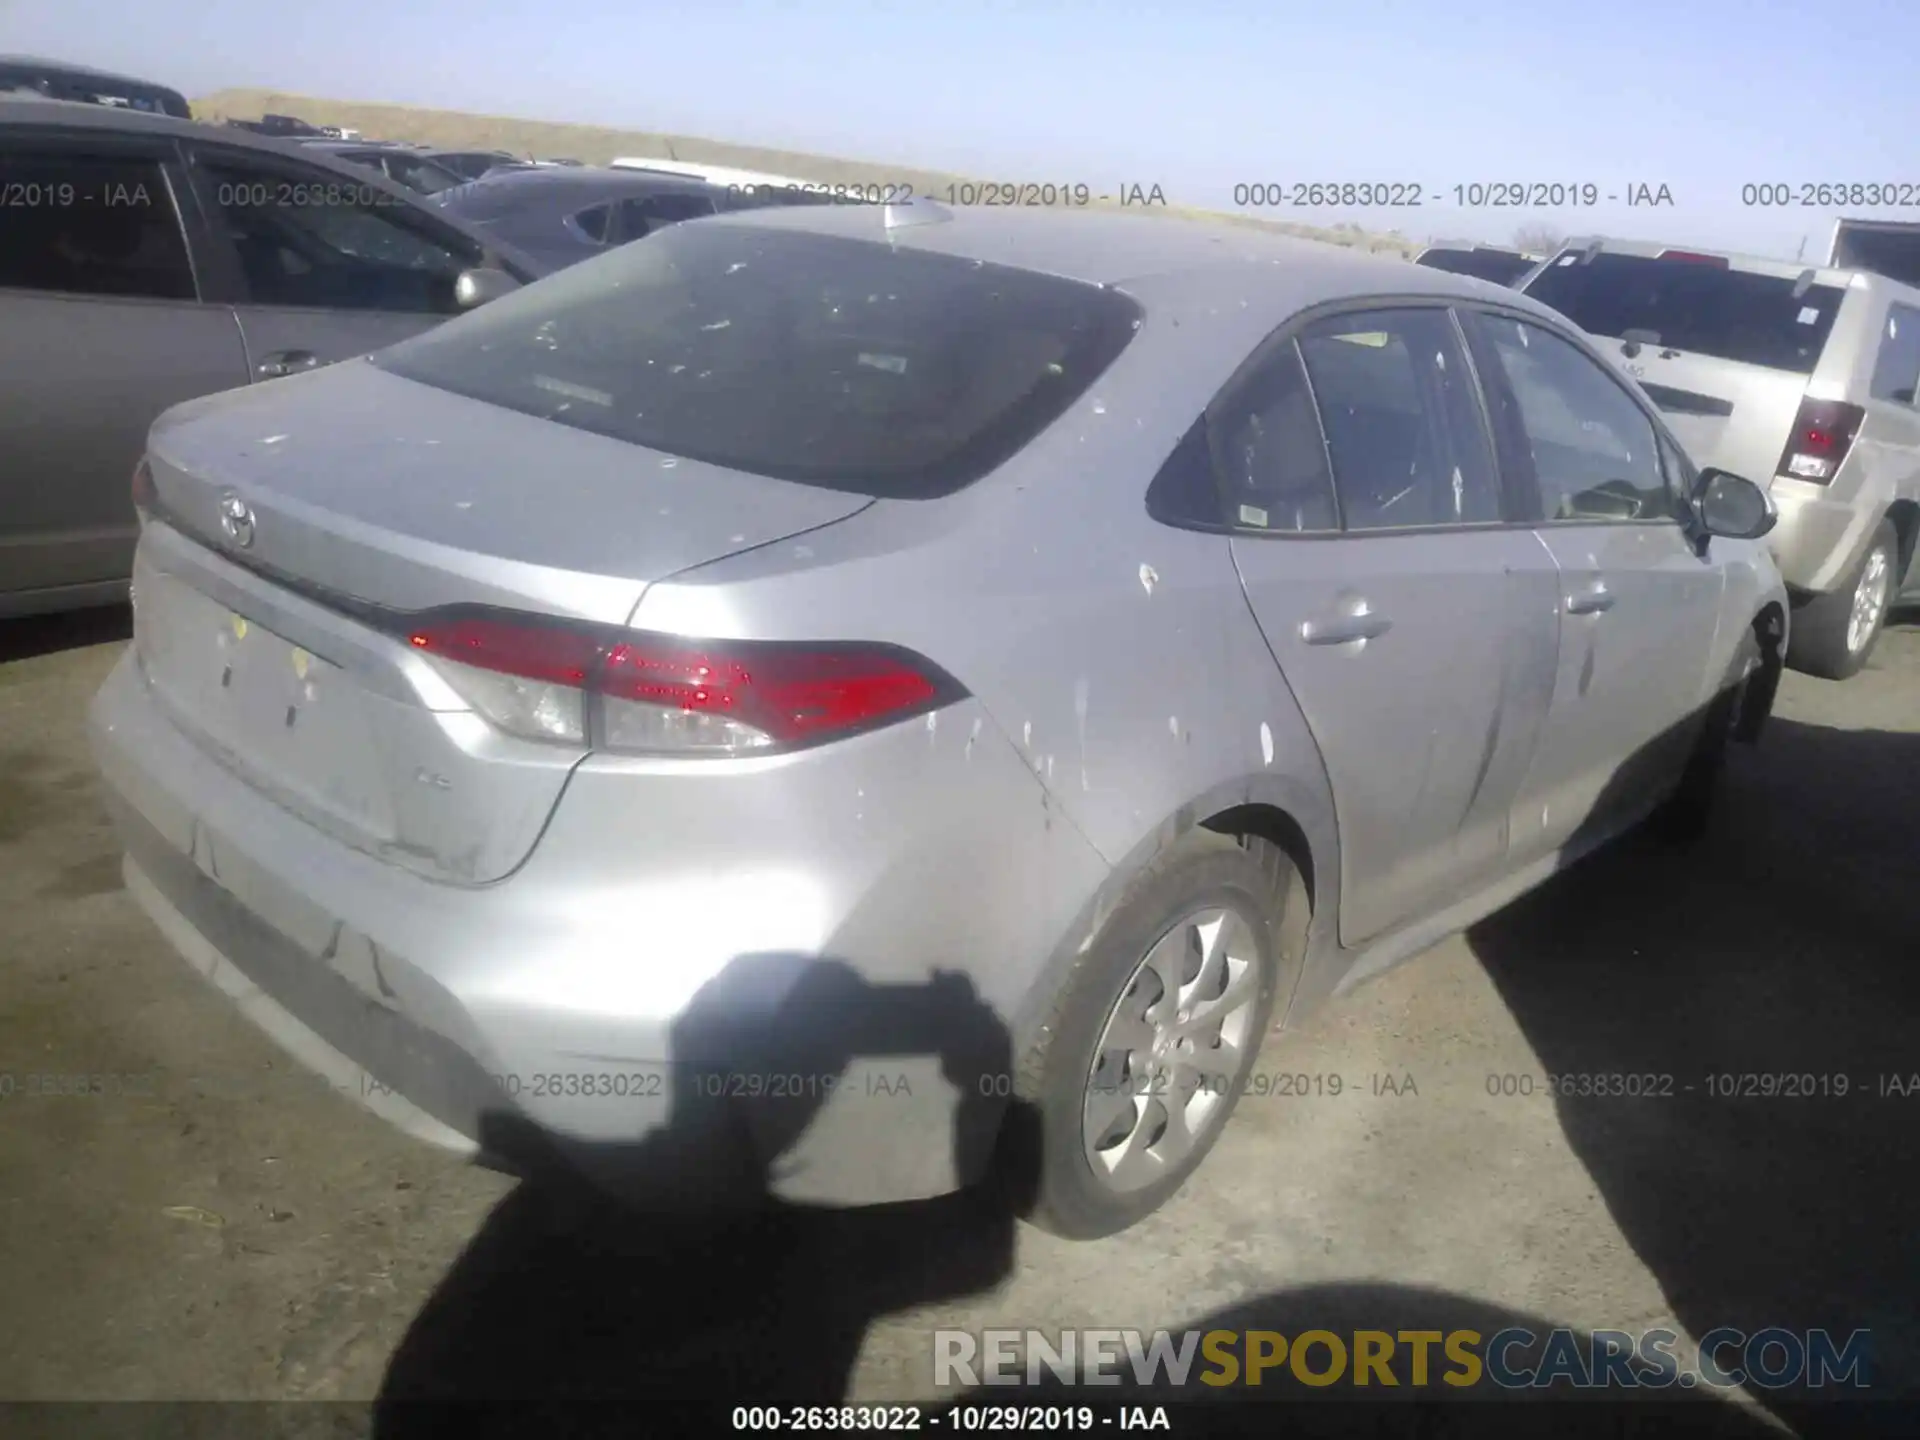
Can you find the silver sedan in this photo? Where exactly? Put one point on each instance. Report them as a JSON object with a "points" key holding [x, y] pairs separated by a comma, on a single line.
{"points": [[842, 700]]}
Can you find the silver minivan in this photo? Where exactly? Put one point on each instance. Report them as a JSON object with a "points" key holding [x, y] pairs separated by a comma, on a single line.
{"points": [[1800, 376]]}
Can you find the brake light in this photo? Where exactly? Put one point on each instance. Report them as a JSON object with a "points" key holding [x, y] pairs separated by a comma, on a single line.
{"points": [[142, 487], [1694, 257], [1823, 432], [645, 693]]}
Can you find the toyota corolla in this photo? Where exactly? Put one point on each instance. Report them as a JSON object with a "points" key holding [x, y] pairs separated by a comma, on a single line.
{"points": [[1163, 627]]}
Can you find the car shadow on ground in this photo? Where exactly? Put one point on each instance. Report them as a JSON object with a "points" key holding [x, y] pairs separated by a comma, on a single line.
{"points": [[579, 1313], [28, 636], [1759, 989], [1780, 945]]}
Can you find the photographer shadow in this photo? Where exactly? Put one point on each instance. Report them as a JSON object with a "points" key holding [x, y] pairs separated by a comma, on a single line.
{"points": [[664, 1278]]}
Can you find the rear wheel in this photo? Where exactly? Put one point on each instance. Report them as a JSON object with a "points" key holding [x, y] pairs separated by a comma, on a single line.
{"points": [[1152, 1036], [1832, 635]]}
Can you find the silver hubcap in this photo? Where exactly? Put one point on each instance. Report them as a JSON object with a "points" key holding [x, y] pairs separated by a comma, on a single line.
{"points": [[1172, 1049], [1869, 599]]}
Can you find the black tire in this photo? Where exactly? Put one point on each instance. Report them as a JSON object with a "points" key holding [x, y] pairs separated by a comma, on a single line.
{"points": [[1817, 639], [1254, 878], [1684, 816]]}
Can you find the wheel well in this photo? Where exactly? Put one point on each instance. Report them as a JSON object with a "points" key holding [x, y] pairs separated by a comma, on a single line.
{"points": [[1905, 515], [1270, 823], [1770, 630]]}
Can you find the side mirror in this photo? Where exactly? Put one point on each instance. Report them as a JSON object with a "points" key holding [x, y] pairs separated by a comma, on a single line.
{"points": [[1733, 506], [477, 287]]}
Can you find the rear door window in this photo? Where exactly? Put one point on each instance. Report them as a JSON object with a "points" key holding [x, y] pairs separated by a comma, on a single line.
{"points": [[643, 214], [1704, 309], [1897, 367], [846, 363], [80, 224], [418, 173], [1269, 453], [1402, 419], [592, 222]]}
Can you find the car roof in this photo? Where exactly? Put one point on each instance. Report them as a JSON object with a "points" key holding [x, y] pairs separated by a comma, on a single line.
{"points": [[67, 67], [74, 116], [15, 111], [566, 187], [1751, 264], [1171, 261], [335, 142]]}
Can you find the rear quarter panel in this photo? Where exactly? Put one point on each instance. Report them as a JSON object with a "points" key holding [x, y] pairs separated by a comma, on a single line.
{"points": [[1118, 656]]}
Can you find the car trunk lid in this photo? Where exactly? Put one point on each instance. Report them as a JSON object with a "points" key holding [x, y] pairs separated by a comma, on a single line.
{"points": [[279, 643], [363, 484]]}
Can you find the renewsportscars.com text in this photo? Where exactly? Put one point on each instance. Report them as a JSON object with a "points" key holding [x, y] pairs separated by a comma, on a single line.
{"points": [[1511, 1359]]}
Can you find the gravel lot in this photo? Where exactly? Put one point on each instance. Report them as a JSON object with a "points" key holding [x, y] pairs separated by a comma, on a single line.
{"points": [[235, 1230]]}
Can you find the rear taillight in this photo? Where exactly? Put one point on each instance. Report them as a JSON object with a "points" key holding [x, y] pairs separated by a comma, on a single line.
{"points": [[143, 491], [1823, 432], [1694, 257], [644, 693]]}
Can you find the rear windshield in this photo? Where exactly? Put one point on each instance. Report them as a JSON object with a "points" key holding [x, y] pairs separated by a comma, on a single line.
{"points": [[843, 363], [1703, 309], [1498, 266]]}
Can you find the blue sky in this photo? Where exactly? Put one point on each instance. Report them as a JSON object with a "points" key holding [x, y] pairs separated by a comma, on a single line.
{"points": [[1701, 96]]}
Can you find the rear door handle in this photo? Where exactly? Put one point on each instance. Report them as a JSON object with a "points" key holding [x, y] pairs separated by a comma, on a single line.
{"points": [[1595, 600], [286, 362], [1345, 629]]}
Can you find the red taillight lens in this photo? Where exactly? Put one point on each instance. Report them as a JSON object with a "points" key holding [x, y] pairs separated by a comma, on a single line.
{"points": [[550, 654], [1694, 257], [1823, 432], [143, 491], [636, 691], [789, 693]]}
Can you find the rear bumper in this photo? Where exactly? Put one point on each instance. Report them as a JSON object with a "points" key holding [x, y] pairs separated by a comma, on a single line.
{"points": [[676, 1015]]}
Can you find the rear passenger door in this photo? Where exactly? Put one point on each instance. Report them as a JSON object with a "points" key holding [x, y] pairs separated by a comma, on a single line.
{"points": [[101, 328], [319, 267], [1639, 603], [1415, 625]]}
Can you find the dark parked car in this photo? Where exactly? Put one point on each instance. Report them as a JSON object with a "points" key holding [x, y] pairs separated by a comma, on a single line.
{"points": [[566, 215], [57, 80], [288, 125], [1482, 262], [202, 259], [403, 164]]}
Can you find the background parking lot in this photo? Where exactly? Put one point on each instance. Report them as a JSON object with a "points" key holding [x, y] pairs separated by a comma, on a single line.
{"points": [[207, 1222]]}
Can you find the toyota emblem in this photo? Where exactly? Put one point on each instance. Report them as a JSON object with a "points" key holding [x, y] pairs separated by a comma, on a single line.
{"points": [[236, 519]]}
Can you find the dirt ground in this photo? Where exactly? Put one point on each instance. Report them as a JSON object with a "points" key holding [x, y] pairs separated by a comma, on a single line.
{"points": [[208, 1223]]}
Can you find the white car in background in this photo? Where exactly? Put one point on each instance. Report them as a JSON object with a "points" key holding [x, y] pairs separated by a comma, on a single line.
{"points": [[716, 174]]}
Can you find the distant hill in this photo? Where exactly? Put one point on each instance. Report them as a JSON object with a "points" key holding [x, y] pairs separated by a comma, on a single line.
{"points": [[596, 145]]}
